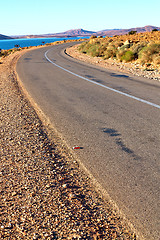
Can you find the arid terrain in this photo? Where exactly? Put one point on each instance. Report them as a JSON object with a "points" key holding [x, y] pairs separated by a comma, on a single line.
{"points": [[45, 193], [117, 53]]}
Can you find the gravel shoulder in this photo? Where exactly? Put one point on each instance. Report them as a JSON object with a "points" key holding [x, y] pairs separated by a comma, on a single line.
{"points": [[44, 191]]}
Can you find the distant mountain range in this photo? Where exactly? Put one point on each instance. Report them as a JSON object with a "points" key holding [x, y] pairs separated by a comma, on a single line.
{"points": [[112, 32], [69, 33], [74, 32], [3, 37], [85, 33]]}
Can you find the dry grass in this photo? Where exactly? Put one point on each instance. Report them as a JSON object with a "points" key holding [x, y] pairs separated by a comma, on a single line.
{"points": [[142, 47]]}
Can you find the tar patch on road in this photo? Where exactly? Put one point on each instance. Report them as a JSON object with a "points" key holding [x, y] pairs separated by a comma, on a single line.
{"points": [[119, 142]]}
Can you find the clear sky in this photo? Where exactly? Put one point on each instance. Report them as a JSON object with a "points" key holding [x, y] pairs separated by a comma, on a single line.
{"points": [[20, 17]]}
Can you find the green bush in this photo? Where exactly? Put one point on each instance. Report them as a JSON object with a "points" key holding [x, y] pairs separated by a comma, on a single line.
{"points": [[120, 53], [93, 50], [155, 30], [125, 55], [136, 48], [84, 47], [132, 32], [93, 36]]}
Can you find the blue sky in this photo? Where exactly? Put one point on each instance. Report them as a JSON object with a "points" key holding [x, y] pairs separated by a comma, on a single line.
{"points": [[20, 17]]}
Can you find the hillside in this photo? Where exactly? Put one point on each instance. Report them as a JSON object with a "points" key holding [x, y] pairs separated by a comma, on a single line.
{"points": [[3, 37], [76, 32], [141, 48], [112, 32]]}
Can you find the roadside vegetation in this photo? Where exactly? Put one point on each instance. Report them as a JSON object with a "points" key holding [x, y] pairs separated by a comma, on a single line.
{"points": [[4, 53], [143, 48]]}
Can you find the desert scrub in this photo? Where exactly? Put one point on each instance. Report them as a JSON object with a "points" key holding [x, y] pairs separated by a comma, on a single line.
{"points": [[118, 44], [128, 56], [93, 37], [149, 53], [143, 47], [4, 53], [156, 60], [125, 55], [110, 52], [132, 32], [125, 46], [137, 47], [101, 50], [94, 50], [83, 47]]}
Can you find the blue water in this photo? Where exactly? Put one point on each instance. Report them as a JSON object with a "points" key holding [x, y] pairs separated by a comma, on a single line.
{"points": [[27, 42]]}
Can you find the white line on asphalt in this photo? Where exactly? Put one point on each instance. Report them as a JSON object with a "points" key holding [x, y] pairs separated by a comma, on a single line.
{"points": [[101, 85]]}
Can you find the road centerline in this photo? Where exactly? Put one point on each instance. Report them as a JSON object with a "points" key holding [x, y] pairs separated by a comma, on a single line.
{"points": [[101, 85]]}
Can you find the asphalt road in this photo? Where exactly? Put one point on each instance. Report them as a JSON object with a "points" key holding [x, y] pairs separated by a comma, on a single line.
{"points": [[120, 135]]}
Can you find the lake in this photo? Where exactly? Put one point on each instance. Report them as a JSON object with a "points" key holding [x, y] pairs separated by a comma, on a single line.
{"points": [[27, 42]]}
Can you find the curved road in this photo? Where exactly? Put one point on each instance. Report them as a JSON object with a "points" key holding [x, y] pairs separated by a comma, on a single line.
{"points": [[119, 133]]}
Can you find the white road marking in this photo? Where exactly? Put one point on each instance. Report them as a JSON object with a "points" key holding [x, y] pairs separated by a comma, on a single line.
{"points": [[101, 85]]}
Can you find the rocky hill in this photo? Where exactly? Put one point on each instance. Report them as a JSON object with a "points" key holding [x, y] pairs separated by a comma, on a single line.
{"points": [[3, 37], [69, 33], [106, 32], [75, 32], [112, 32]]}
